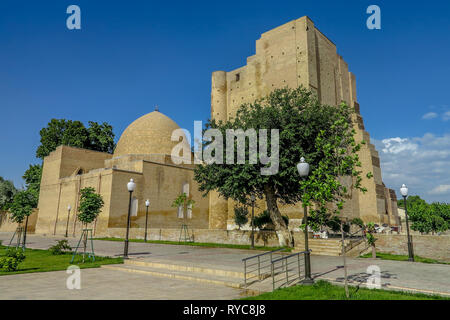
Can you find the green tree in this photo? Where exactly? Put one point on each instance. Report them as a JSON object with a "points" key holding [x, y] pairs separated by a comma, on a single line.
{"points": [[22, 205], [426, 218], [98, 137], [7, 192], [320, 133], [32, 179], [91, 204], [410, 200]]}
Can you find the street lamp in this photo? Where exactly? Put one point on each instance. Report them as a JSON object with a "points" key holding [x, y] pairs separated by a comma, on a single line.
{"points": [[404, 192], [69, 207], [253, 198], [147, 204], [130, 186], [303, 171]]}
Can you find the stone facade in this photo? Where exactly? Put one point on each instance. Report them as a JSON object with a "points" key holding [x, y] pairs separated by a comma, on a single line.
{"points": [[67, 170], [425, 246], [295, 54]]}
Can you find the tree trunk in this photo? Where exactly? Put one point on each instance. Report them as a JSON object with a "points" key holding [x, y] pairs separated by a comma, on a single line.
{"points": [[374, 252], [284, 235]]}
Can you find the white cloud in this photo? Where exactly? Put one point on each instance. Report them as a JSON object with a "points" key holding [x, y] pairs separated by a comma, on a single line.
{"points": [[446, 116], [422, 163], [429, 115], [441, 189], [397, 145]]}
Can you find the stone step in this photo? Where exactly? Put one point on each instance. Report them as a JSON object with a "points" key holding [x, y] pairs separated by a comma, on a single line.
{"points": [[324, 246], [184, 268], [181, 275]]}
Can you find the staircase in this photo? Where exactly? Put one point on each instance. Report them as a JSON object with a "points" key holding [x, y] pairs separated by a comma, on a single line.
{"points": [[230, 278], [332, 247]]}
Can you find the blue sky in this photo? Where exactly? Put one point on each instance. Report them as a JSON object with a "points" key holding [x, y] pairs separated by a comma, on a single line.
{"points": [[130, 56]]}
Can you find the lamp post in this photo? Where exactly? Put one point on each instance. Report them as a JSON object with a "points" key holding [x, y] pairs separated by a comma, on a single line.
{"points": [[253, 198], [404, 192], [303, 171], [130, 186], [69, 207], [147, 204]]}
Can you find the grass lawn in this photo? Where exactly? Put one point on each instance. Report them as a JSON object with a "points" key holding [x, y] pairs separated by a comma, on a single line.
{"points": [[398, 257], [323, 290], [200, 244], [43, 261]]}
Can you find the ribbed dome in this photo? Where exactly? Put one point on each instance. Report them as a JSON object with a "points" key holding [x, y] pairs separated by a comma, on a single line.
{"points": [[150, 134]]}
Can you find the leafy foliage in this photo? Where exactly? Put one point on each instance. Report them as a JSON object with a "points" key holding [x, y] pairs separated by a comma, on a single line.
{"points": [[11, 260], [426, 218], [7, 192], [240, 215], [22, 206], [91, 204], [358, 222], [181, 200], [61, 247], [320, 133], [98, 137], [32, 179]]}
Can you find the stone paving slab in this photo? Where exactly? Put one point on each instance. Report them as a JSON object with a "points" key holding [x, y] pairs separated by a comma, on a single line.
{"points": [[414, 275], [106, 284]]}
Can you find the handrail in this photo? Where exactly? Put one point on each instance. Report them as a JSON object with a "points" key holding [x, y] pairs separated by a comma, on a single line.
{"points": [[262, 254], [291, 255], [287, 268], [351, 234], [260, 266]]}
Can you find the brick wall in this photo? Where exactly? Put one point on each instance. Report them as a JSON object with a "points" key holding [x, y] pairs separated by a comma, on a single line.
{"points": [[426, 246]]}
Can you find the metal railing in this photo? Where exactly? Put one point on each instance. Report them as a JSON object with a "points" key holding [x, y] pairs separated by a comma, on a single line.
{"points": [[353, 238], [258, 267], [288, 270]]}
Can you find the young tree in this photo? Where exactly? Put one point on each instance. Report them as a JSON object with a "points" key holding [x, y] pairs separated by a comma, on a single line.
{"points": [[7, 192], [22, 207], [240, 215], [320, 133], [32, 179], [370, 230], [91, 204]]}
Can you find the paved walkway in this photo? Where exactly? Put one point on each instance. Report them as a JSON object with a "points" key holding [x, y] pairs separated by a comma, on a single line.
{"points": [[113, 284]]}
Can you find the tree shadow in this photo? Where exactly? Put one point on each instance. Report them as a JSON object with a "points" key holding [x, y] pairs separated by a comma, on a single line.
{"points": [[362, 277]]}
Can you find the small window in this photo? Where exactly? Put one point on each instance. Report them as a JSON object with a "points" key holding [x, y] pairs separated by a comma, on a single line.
{"points": [[134, 207], [238, 76]]}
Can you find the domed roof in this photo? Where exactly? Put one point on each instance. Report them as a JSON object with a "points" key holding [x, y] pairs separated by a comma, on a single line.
{"points": [[150, 134]]}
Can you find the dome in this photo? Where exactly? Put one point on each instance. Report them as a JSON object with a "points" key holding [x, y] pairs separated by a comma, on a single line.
{"points": [[150, 134]]}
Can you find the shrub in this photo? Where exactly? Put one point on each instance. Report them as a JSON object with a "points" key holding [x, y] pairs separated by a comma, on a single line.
{"points": [[61, 247], [8, 264], [240, 215], [264, 222], [11, 260]]}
